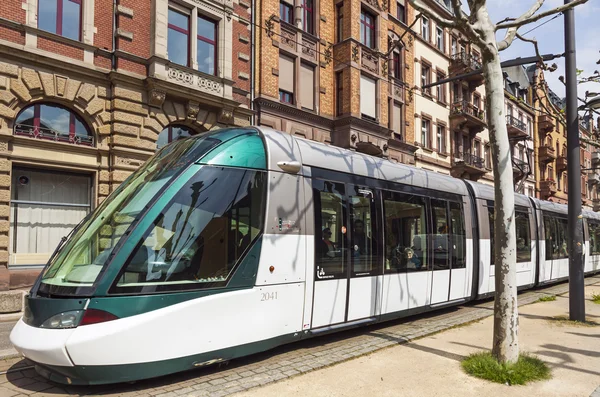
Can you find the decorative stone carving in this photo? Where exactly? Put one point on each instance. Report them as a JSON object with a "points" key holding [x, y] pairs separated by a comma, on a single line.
{"points": [[288, 39], [355, 53], [375, 4], [192, 110], [181, 76], [209, 85], [225, 116], [156, 97], [384, 67], [309, 48], [370, 61]]}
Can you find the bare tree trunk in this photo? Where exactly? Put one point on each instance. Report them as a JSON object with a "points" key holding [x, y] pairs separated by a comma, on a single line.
{"points": [[506, 318]]}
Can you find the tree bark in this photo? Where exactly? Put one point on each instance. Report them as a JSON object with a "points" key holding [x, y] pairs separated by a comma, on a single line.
{"points": [[506, 318]]}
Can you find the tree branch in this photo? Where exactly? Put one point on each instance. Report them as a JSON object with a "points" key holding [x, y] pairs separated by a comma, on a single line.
{"points": [[535, 45], [520, 22], [423, 9], [511, 32]]}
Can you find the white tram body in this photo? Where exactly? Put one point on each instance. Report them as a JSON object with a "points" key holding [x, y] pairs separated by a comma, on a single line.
{"points": [[425, 244]]}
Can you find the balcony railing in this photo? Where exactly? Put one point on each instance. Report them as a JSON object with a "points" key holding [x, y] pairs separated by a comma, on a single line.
{"points": [[548, 186], [466, 108], [512, 121], [547, 153], [49, 134], [470, 160], [520, 166], [464, 59]]}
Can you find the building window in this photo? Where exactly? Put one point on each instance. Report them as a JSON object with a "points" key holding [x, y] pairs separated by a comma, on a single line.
{"points": [[477, 101], [478, 149], [307, 90], [425, 28], [45, 205], [396, 122], [425, 78], [178, 38], [172, 133], [441, 89], [286, 12], [441, 139], [368, 102], [397, 66], [454, 45], [339, 78], [487, 157], [439, 39], [340, 21], [61, 17], [401, 11], [426, 133], [207, 45], [308, 22], [286, 79], [367, 29], [54, 123], [529, 126]]}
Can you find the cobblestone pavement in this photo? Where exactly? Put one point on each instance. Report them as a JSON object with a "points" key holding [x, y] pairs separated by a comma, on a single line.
{"points": [[17, 378]]}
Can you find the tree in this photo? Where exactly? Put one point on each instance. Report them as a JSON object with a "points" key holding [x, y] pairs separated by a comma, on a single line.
{"points": [[481, 31]]}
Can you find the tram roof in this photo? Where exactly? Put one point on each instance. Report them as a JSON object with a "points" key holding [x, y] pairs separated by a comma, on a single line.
{"points": [[486, 192], [285, 147]]}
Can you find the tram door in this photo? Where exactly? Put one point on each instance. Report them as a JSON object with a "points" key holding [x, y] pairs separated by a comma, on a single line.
{"points": [[347, 254]]}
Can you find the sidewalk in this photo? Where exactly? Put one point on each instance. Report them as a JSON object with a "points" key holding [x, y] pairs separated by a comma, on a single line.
{"points": [[431, 366], [353, 363]]}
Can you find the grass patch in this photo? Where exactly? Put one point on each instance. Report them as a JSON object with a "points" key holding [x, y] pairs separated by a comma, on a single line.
{"points": [[527, 369], [596, 298], [547, 298], [564, 320]]}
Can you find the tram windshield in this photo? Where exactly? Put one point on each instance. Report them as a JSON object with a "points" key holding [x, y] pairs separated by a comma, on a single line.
{"points": [[78, 264]]}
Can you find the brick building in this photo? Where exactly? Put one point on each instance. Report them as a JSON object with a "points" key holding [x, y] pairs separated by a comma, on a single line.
{"points": [[89, 89], [338, 72]]}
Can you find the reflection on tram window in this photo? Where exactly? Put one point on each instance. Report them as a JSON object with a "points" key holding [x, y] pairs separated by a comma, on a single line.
{"points": [[80, 260], [440, 238], [406, 238], [556, 237], [523, 237], [594, 238], [330, 232], [491, 218], [458, 236], [364, 253], [197, 239]]}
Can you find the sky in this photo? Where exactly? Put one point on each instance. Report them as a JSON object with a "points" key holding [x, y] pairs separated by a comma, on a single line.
{"points": [[550, 38]]}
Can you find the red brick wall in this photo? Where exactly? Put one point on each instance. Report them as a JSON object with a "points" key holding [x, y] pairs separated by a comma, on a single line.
{"points": [[239, 65], [60, 48], [103, 23], [126, 64], [12, 9], [102, 62], [139, 25], [12, 35]]}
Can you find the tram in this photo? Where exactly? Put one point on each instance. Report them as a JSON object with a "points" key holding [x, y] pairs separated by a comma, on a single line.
{"points": [[239, 240]]}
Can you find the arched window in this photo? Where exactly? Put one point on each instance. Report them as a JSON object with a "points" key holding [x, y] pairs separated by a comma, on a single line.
{"points": [[53, 122], [173, 133]]}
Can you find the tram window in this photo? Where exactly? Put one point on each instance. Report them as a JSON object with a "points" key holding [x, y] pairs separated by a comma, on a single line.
{"points": [[440, 237], [365, 255], [459, 243], [491, 218], [197, 239], [594, 238], [556, 237], [550, 236], [523, 237], [331, 243], [406, 238]]}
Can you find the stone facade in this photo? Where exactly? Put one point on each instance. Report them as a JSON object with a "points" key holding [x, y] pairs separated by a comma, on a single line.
{"points": [[321, 67], [126, 92]]}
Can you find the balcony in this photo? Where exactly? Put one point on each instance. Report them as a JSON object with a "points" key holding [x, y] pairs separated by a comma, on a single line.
{"points": [[595, 159], [396, 90], [465, 115], [548, 187], [546, 154], [516, 128], [593, 178], [546, 122], [520, 167], [462, 63], [596, 204], [561, 163], [468, 166]]}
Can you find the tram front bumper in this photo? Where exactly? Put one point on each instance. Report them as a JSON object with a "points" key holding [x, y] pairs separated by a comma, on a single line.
{"points": [[40, 345]]}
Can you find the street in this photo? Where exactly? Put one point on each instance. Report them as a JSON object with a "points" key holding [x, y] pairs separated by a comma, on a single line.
{"points": [[5, 346]]}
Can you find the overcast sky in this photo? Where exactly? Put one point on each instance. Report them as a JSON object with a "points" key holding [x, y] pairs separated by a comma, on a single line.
{"points": [[551, 38]]}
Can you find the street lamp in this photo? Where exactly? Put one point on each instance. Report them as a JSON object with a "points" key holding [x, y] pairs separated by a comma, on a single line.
{"points": [[593, 103]]}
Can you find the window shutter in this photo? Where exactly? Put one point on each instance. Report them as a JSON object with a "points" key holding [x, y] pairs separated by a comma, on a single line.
{"points": [[367, 96], [429, 140], [286, 73], [307, 92], [397, 116]]}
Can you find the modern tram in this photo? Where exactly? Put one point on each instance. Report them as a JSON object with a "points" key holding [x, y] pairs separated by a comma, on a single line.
{"points": [[242, 239]]}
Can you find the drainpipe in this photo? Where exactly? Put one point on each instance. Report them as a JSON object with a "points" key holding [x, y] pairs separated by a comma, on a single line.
{"points": [[252, 59]]}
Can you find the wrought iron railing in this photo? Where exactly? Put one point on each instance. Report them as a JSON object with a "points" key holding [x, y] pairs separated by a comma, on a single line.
{"points": [[515, 122], [464, 107], [521, 165], [470, 159], [466, 59], [53, 135]]}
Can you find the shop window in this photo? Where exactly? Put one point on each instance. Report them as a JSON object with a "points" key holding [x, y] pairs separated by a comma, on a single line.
{"points": [[61, 17], [172, 133], [45, 206], [53, 122]]}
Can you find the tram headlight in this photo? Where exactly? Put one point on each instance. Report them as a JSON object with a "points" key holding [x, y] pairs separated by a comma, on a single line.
{"points": [[64, 320]]}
